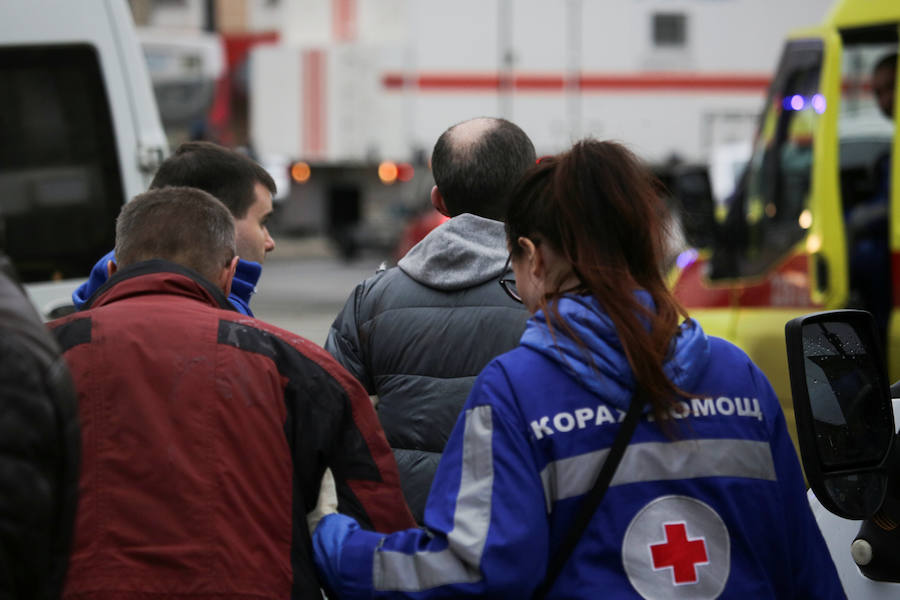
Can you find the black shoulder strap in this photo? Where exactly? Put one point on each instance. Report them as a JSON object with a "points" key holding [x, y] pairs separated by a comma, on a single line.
{"points": [[595, 495]]}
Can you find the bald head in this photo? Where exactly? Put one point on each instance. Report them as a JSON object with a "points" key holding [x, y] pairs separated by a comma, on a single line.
{"points": [[476, 163], [465, 135]]}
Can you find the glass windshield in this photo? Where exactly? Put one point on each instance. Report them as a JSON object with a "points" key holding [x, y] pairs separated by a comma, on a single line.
{"points": [[766, 217]]}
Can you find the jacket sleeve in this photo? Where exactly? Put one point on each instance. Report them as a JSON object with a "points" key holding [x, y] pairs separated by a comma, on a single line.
{"points": [[363, 464], [487, 528], [343, 341], [814, 573], [39, 453]]}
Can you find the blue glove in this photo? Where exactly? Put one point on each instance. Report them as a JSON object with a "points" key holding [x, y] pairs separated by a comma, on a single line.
{"points": [[328, 544]]}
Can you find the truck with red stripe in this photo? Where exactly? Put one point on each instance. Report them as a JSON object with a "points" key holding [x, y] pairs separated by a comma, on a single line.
{"points": [[354, 85]]}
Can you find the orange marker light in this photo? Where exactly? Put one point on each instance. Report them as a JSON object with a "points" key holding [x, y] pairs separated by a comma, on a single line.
{"points": [[387, 172], [300, 172]]}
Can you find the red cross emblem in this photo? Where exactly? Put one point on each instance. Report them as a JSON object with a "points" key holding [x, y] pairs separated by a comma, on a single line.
{"points": [[679, 553]]}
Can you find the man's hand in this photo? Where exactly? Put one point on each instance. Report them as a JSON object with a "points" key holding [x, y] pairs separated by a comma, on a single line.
{"points": [[327, 503]]}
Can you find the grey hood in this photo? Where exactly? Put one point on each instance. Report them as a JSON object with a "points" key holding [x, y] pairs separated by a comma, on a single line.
{"points": [[463, 252]]}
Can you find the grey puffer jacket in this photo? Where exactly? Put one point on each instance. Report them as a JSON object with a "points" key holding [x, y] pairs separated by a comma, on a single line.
{"points": [[39, 452], [418, 334]]}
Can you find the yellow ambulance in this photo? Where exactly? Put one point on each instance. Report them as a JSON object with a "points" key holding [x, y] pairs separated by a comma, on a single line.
{"points": [[816, 196]]}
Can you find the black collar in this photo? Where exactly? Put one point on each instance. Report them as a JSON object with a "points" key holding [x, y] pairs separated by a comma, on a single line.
{"points": [[158, 265]]}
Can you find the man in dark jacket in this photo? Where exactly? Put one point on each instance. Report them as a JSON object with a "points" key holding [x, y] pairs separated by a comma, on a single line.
{"points": [[206, 433], [39, 446], [417, 335], [242, 185]]}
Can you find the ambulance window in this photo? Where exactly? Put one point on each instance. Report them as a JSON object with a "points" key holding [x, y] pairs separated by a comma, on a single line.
{"points": [[765, 218], [60, 185], [865, 129]]}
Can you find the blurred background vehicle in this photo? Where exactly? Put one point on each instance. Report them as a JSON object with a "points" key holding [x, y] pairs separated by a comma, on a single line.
{"points": [[343, 99], [79, 134]]}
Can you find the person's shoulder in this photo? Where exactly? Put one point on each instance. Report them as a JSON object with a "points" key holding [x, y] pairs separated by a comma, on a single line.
{"points": [[729, 365], [387, 288], [728, 361], [236, 322], [524, 360], [381, 279], [395, 285], [721, 349], [385, 276], [287, 348], [518, 366]]}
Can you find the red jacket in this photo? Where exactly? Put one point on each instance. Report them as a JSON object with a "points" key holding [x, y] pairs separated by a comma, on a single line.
{"points": [[205, 434]]}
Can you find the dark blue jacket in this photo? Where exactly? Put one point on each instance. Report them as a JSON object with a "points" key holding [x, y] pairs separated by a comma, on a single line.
{"points": [[718, 510], [242, 286]]}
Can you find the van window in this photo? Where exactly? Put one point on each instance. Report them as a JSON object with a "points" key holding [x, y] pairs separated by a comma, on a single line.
{"points": [[868, 68], [765, 217], [60, 182]]}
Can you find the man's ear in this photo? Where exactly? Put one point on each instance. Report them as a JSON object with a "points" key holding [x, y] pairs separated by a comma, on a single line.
{"points": [[111, 268], [226, 276], [437, 201]]}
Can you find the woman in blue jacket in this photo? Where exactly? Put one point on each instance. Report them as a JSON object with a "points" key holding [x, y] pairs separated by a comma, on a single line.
{"points": [[708, 499]]}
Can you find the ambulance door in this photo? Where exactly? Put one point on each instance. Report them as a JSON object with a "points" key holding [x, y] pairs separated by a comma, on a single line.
{"points": [[866, 131], [771, 215]]}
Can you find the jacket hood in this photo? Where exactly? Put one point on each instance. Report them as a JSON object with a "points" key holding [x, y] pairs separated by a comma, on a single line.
{"points": [[465, 251], [599, 364]]}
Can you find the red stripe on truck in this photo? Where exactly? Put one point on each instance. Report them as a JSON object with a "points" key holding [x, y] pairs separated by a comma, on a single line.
{"points": [[491, 82], [314, 103], [343, 15]]}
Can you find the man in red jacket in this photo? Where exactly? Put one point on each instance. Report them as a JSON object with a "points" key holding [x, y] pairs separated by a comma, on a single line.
{"points": [[205, 433]]}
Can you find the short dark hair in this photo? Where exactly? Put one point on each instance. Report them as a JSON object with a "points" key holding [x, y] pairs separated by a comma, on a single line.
{"points": [[181, 224], [226, 174], [476, 175]]}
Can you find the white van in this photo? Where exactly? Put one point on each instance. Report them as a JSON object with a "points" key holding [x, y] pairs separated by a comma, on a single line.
{"points": [[79, 135]]}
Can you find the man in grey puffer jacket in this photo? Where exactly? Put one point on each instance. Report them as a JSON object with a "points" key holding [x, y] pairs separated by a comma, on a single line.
{"points": [[418, 334]]}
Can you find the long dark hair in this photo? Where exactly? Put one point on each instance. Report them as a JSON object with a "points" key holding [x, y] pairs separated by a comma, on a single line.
{"points": [[599, 207]]}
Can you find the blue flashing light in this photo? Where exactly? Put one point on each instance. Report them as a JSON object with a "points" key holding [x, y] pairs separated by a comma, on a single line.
{"points": [[795, 102], [818, 103], [686, 258]]}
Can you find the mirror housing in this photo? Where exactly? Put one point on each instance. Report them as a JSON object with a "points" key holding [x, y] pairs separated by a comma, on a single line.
{"points": [[842, 407]]}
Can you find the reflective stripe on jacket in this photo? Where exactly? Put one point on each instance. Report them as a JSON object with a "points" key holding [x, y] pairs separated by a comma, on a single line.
{"points": [[719, 510]]}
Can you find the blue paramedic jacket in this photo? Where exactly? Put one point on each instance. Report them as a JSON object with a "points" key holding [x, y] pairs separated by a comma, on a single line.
{"points": [[718, 511], [243, 285]]}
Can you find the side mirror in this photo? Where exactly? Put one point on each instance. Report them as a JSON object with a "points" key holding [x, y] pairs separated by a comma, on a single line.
{"points": [[842, 407]]}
